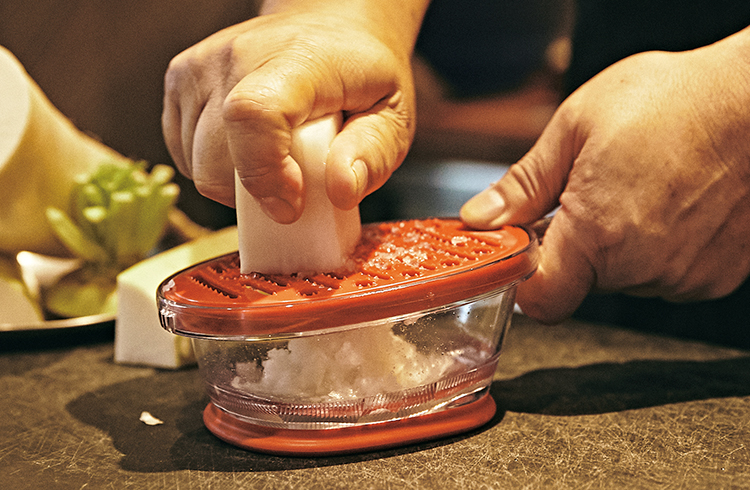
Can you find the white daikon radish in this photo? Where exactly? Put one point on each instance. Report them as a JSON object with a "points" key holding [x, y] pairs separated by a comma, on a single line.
{"points": [[139, 339], [324, 236], [17, 306], [41, 154]]}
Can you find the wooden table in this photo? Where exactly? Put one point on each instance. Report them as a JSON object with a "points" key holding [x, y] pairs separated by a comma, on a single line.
{"points": [[580, 405]]}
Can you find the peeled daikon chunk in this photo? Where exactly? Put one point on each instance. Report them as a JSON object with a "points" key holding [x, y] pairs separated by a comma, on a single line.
{"points": [[322, 239], [41, 155], [139, 339], [17, 305]]}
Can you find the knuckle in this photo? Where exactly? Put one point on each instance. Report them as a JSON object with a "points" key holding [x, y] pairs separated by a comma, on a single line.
{"points": [[387, 147], [183, 68], [721, 286], [255, 176], [524, 175], [215, 191], [240, 106]]}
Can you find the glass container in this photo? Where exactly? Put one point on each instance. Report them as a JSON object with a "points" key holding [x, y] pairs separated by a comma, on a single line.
{"points": [[400, 346]]}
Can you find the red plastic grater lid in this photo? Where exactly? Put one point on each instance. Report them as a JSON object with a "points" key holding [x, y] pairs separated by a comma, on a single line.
{"points": [[397, 268]]}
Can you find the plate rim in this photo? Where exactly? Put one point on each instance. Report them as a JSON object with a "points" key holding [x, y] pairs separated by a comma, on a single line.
{"points": [[63, 323]]}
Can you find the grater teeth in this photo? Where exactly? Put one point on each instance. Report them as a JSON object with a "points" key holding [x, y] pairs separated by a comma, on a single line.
{"points": [[396, 267], [392, 252], [208, 280]]}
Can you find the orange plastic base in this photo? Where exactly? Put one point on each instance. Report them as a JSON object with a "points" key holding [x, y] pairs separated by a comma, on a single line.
{"points": [[294, 442]]}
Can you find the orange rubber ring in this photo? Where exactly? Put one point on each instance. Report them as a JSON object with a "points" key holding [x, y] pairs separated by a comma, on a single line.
{"points": [[347, 440]]}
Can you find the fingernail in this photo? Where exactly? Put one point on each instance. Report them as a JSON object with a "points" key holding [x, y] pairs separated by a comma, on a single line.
{"points": [[278, 209], [484, 208]]}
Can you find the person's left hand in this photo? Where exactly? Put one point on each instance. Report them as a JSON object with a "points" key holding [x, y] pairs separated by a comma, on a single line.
{"points": [[650, 164]]}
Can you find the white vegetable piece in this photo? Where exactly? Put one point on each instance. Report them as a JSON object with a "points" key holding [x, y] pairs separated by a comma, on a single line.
{"points": [[17, 306], [149, 419], [324, 236], [41, 271], [41, 154], [139, 339]]}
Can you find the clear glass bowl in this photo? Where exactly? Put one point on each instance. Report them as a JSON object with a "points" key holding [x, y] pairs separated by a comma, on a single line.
{"points": [[364, 373], [399, 347]]}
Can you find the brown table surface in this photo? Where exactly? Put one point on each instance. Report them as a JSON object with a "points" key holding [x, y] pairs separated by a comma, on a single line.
{"points": [[580, 405]]}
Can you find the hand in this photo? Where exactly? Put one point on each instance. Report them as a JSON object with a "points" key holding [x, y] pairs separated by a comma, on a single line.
{"points": [[232, 100], [650, 163]]}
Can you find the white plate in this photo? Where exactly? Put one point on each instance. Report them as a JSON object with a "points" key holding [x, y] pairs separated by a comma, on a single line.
{"points": [[81, 321], [38, 271]]}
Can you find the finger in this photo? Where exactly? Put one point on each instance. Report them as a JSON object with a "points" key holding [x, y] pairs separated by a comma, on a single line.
{"points": [[365, 153], [563, 278], [184, 103], [259, 114], [531, 187], [727, 256], [212, 166], [173, 122], [170, 124]]}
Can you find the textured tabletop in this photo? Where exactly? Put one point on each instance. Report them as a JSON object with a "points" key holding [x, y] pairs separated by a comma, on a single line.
{"points": [[579, 405]]}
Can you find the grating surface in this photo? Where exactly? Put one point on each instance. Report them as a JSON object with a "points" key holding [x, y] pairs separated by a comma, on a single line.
{"points": [[397, 268]]}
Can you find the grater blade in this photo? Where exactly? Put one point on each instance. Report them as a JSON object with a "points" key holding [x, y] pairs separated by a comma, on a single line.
{"points": [[397, 268]]}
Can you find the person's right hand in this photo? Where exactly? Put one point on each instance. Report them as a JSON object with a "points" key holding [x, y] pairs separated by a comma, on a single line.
{"points": [[232, 100]]}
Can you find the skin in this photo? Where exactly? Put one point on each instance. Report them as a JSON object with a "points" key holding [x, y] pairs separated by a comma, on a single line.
{"points": [[650, 164], [232, 100], [649, 161]]}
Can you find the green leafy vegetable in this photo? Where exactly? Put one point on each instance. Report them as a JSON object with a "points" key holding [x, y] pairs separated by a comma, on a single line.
{"points": [[117, 216]]}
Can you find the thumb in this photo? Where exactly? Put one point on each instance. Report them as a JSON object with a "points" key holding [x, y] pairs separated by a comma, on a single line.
{"points": [[370, 146], [529, 190]]}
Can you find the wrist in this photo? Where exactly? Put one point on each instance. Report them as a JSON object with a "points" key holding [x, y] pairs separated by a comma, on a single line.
{"points": [[722, 74], [394, 22]]}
